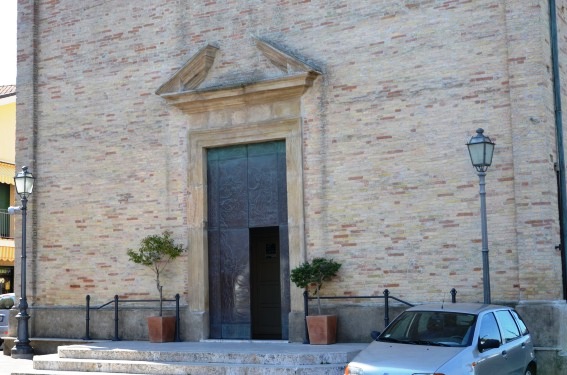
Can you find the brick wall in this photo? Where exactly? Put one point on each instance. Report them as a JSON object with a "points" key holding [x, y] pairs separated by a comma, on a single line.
{"points": [[389, 189]]}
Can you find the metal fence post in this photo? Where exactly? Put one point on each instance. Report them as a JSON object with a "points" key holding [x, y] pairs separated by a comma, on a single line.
{"points": [[116, 338], [453, 295], [177, 320], [386, 308], [87, 319], [305, 314]]}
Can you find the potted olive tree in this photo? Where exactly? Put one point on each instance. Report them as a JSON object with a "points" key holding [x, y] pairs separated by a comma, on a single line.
{"points": [[322, 329], [156, 252]]}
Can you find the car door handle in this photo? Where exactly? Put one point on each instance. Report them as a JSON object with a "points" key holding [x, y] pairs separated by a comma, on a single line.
{"points": [[504, 353]]}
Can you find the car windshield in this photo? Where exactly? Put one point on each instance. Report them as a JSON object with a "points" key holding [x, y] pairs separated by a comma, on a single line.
{"points": [[437, 328]]}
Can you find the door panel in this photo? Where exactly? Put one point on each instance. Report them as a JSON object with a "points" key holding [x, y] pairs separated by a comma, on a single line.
{"points": [[284, 281], [263, 190], [233, 195], [213, 190], [215, 284], [491, 361], [282, 187], [514, 343], [235, 283]]}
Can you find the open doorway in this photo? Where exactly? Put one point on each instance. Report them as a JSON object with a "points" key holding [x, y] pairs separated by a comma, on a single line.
{"points": [[265, 294]]}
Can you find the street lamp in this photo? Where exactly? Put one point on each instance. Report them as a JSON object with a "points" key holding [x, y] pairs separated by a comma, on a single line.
{"points": [[481, 149], [24, 185]]}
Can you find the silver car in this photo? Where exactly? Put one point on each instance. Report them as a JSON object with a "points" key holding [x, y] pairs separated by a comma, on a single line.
{"points": [[450, 338]]}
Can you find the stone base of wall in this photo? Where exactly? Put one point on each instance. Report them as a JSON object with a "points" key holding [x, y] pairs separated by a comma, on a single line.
{"points": [[197, 327], [551, 361], [545, 319], [355, 322], [70, 323]]}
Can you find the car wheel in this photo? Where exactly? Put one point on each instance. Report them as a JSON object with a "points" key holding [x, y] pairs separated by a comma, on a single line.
{"points": [[530, 371]]}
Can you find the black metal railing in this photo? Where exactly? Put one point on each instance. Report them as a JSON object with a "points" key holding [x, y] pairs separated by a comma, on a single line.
{"points": [[6, 221], [386, 297], [116, 302]]}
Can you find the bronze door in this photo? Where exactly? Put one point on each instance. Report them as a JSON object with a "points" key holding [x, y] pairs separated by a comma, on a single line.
{"points": [[246, 189]]}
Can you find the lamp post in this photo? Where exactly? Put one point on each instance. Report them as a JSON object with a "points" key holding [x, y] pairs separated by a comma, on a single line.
{"points": [[481, 149], [24, 185]]}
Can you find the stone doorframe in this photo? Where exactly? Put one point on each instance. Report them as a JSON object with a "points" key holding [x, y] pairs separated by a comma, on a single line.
{"points": [[239, 113], [288, 130]]}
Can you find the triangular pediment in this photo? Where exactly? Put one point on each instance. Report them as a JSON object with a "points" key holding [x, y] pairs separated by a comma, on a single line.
{"points": [[192, 74], [187, 88], [282, 60]]}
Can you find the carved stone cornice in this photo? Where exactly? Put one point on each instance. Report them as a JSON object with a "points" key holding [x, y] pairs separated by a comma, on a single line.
{"points": [[182, 90], [232, 96]]}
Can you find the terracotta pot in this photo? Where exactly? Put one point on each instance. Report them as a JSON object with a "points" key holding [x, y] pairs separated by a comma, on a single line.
{"points": [[322, 329], [161, 328]]}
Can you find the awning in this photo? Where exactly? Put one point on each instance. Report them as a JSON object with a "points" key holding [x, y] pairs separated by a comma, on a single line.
{"points": [[7, 173], [7, 253]]}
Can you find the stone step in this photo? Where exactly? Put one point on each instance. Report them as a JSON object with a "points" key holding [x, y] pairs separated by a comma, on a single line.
{"points": [[284, 355], [55, 365], [136, 358]]}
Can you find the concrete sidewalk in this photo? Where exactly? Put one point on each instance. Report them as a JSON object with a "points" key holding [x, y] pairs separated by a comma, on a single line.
{"points": [[9, 365]]}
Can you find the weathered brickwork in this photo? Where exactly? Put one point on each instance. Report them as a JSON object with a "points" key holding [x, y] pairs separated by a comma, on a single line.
{"points": [[388, 186]]}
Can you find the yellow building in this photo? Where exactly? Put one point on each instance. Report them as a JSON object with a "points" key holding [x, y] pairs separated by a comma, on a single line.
{"points": [[7, 172]]}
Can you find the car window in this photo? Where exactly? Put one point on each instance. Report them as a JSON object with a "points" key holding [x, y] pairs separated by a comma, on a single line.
{"points": [[508, 326], [431, 327], [521, 325], [489, 329], [400, 327]]}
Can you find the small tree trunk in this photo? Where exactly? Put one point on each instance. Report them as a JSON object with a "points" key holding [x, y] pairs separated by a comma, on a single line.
{"points": [[318, 301], [160, 300]]}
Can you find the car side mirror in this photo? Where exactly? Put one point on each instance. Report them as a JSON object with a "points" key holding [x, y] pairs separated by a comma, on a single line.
{"points": [[374, 335], [488, 344]]}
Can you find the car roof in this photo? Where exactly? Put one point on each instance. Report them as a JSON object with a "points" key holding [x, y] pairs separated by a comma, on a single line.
{"points": [[469, 308]]}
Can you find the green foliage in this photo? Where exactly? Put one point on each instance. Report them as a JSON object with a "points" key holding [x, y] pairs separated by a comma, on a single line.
{"points": [[156, 248], [313, 274], [156, 252], [6, 302]]}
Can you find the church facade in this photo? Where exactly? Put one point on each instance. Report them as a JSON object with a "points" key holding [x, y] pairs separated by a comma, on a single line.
{"points": [[266, 133]]}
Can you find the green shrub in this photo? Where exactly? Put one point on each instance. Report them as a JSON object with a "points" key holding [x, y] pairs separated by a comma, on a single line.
{"points": [[156, 252], [312, 274]]}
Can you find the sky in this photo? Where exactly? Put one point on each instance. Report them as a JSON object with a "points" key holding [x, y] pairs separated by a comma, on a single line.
{"points": [[8, 49]]}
